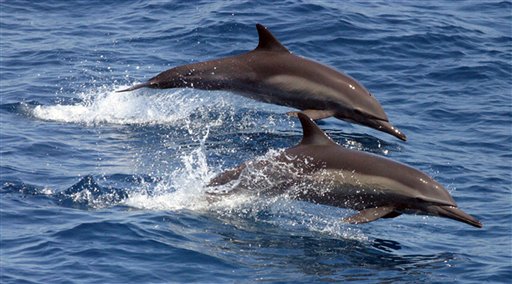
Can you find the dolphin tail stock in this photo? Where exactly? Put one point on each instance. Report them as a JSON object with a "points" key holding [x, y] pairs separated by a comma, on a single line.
{"points": [[455, 214], [135, 87]]}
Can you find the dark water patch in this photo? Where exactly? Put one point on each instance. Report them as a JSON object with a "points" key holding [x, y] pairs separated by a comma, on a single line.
{"points": [[20, 187], [87, 193]]}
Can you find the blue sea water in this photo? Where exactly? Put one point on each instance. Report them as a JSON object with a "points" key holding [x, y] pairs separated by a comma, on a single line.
{"points": [[106, 187]]}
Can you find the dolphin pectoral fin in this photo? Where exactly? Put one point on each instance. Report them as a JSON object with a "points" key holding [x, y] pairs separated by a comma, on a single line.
{"points": [[370, 214], [314, 114]]}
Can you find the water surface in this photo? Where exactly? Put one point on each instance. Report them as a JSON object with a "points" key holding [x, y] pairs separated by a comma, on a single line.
{"points": [[107, 187]]}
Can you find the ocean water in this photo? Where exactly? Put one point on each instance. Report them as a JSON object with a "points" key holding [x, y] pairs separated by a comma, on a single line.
{"points": [[105, 187]]}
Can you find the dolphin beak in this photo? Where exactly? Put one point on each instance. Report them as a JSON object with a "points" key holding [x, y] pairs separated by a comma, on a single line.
{"points": [[375, 123], [385, 126], [455, 214]]}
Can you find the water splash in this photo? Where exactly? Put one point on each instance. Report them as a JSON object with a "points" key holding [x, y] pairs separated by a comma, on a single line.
{"points": [[185, 188], [181, 188], [104, 105], [182, 184]]}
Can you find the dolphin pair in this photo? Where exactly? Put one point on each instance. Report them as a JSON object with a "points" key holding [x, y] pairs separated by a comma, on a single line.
{"points": [[271, 74], [316, 170], [320, 171]]}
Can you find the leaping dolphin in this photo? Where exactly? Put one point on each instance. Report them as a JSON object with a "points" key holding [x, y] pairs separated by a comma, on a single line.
{"points": [[271, 74], [320, 171]]}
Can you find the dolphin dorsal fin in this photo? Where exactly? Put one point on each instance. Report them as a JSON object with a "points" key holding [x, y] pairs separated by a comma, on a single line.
{"points": [[268, 41], [312, 134]]}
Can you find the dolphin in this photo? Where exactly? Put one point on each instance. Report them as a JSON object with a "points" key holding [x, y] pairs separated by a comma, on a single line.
{"points": [[320, 171], [272, 74]]}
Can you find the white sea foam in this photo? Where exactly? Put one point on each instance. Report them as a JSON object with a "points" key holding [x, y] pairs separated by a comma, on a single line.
{"points": [[184, 187], [139, 107]]}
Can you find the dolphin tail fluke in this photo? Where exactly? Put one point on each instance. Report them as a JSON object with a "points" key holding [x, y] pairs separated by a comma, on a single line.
{"points": [[135, 87], [455, 214]]}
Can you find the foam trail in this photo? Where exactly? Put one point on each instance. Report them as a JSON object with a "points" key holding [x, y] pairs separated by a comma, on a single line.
{"points": [[102, 106]]}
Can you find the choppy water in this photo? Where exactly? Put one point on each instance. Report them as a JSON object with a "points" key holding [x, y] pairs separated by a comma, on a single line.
{"points": [[98, 186]]}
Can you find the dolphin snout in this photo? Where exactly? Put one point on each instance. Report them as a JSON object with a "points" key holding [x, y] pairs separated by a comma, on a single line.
{"points": [[385, 126]]}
